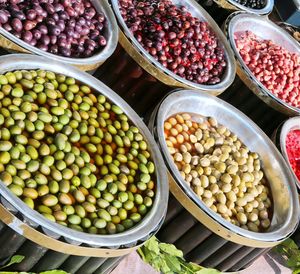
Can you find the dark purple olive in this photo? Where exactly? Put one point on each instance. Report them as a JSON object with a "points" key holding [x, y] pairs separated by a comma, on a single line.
{"points": [[54, 30], [55, 16], [70, 11], [58, 7], [65, 52], [36, 34], [50, 21], [17, 34], [53, 39], [81, 21], [62, 43], [39, 18], [42, 47], [63, 15], [102, 41], [14, 2], [45, 39], [3, 17], [89, 13], [54, 49], [29, 25], [94, 34], [38, 9], [85, 30], [66, 3], [101, 17], [61, 25], [7, 27], [71, 23], [31, 14], [43, 29], [17, 24], [18, 14], [80, 49], [50, 8], [27, 36]]}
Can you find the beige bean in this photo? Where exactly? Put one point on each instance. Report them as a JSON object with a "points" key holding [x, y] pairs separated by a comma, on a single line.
{"points": [[178, 157], [212, 179], [242, 218], [214, 188], [199, 147], [226, 188], [253, 227], [199, 190], [187, 157], [204, 181], [241, 201], [194, 173], [253, 217], [207, 194], [263, 214], [204, 162], [265, 223], [208, 201], [214, 208], [221, 198], [221, 208], [231, 196], [226, 178], [196, 181]]}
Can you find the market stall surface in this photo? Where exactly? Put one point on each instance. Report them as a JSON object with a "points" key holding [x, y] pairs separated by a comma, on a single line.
{"points": [[264, 265]]}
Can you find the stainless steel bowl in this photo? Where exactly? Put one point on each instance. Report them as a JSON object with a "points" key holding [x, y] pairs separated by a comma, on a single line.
{"points": [[154, 217], [89, 63], [279, 137], [167, 76], [266, 10], [284, 192], [264, 28]]}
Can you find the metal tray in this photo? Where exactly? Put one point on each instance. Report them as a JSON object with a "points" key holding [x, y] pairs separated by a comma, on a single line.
{"points": [[264, 28], [139, 233], [279, 138], [144, 59], [281, 180], [11, 42]]}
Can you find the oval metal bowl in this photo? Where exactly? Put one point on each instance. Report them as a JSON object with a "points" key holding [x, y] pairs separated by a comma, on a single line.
{"points": [[233, 5], [281, 180], [140, 232], [14, 44], [145, 60], [265, 29], [279, 138]]}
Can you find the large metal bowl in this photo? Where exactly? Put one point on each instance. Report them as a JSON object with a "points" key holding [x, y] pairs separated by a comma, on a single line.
{"points": [[265, 29], [233, 5], [281, 180], [280, 135], [144, 59], [14, 44], [131, 237]]}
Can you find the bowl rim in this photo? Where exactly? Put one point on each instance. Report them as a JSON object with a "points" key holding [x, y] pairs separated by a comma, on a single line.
{"points": [[233, 19], [98, 57], [267, 237], [265, 10], [194, 7], [289, 125], [149, 224]]}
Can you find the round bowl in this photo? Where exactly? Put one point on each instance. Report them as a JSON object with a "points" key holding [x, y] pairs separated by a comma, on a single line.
{"points": [[233, 5], [285, 200], [279, 138], [263, 28], [14, 44], [144, 59], [140, 232]]}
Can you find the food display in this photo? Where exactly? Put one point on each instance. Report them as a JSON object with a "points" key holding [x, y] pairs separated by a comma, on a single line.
{"points": [[71, 154], [67, 28], [275, 67], [253, 4], [180, 42], [293, 150], [220, 169]]}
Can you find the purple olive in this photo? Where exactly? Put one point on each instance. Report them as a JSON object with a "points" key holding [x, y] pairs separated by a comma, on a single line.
{"points": [[31, 14], [18, 14], [36, 34], [102, 41], [17, 24], [65, 51], [45, 39], [58, 7], [54, 49], [50, 21], [53, 39], [85, 30], [66, 3], [50, 8], [29, 25], [42, 47], [7, 27], [38, 9], [61, 25], [39, 19], [43, 29], [27, 36], [55, 16], [3, 17]]}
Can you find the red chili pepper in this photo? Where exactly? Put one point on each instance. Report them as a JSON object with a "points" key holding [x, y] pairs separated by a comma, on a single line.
{"points": [[293, 151]]}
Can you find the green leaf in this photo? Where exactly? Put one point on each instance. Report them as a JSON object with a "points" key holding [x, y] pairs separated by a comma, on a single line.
{"points": [[54, 272], [173, 263], [207, 271], [171, 249], [14, 260], [152, 244]]}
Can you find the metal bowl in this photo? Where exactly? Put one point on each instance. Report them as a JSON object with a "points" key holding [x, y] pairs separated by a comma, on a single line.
{"points": [[12, 43], [154, 217], [152, 66], [264, 28], [233, 5], [284, 193], [279, 138]]}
